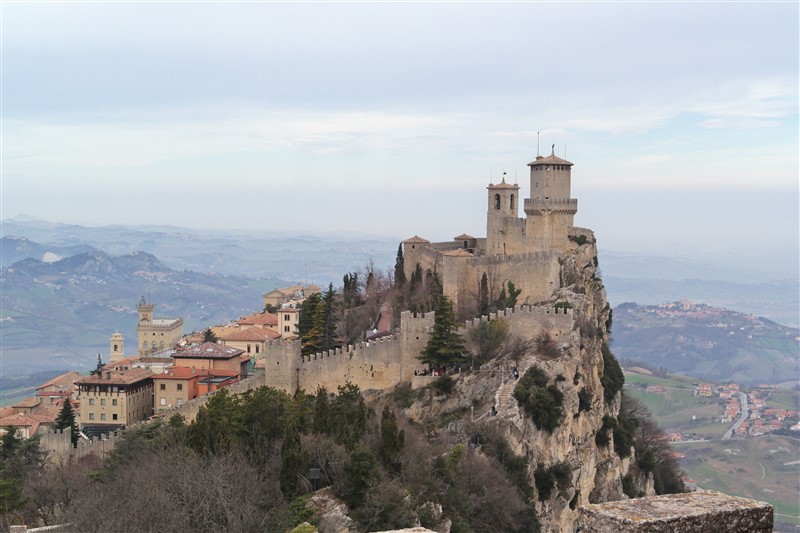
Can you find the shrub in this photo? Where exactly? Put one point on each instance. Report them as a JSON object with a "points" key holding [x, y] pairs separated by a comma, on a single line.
{"points": [[545, 482], [580, 240], [584, 400], [543, 402], [612, 379], [601, 439], [629, 486], [443, 385]]}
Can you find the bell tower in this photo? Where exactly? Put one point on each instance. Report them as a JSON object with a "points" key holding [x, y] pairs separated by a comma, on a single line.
{"points": [[116, 347], [502, 208]]}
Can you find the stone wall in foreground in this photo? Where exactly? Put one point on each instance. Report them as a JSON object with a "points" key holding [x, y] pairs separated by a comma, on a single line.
{"points": [[694, 512]]}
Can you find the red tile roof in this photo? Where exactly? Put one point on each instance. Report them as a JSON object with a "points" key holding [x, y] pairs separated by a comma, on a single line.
{"points": [[63, 381], [26, 403], [208, 350], [259, 319], [249, 334], [115, 377]]}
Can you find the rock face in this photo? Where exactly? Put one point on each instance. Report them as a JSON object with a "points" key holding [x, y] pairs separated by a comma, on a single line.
{"points": [[696, 512], [575, 364]]}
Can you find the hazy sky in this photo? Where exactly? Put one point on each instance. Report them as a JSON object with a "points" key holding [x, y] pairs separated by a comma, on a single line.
{"points": [[391, 118]]}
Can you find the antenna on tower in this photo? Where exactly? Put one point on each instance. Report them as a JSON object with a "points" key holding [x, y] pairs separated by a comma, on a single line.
{"points": [[515, 175], [537, 144], [491, 176], [565, 147]]}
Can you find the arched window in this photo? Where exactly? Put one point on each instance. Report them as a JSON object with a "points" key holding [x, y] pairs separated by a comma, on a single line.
{"points": [[497, 201], [153, 345], [144, 345], [511, 205]]}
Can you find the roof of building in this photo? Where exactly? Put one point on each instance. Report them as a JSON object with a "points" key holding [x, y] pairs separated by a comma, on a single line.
{"points": [[20, 420], [122, 363], [26, 403], [63, 381], [209, 350], [503, 185], [165, 321], [182, 373], [259, 319], [117, 377], [416, 239], [464, 237], [552, 159], [251, 334]]}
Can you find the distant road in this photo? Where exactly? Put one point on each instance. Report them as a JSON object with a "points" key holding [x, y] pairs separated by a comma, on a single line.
{"points": [[742, 417]]}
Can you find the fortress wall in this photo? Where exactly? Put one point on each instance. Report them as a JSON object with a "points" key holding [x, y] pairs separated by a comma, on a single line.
{"points": [[528, 322], [190, 409], [370, 365], [427, 257], [281, 361], [57, 446]]}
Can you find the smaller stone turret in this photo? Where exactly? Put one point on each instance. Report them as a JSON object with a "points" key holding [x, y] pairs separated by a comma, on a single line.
{"points": [[116, 347]]}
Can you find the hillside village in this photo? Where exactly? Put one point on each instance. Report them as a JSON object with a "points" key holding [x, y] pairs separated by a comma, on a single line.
{"points": [[495, 348]]}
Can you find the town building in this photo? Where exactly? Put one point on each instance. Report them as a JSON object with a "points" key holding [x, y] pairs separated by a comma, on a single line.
{"points": [[180, 384], [156, 334], [111, 399], [58, 388], [214, 357], [277, 297]]}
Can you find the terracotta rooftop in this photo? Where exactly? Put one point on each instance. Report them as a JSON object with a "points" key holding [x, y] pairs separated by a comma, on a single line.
{"points": [[62, 381], [552, 158], [259, 319], [181, 372], [115, 377], [416, 239], [26, 403], [250, 334], [464, 237], [209, 350], [125, 361]]}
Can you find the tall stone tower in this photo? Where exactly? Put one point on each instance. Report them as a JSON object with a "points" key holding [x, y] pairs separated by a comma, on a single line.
{"points": [[145, 310], [501, 215], [550, 210], [116, 347]]}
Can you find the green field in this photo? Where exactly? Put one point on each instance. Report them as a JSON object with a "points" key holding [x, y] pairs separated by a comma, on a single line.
{"points": [[753, 468]]}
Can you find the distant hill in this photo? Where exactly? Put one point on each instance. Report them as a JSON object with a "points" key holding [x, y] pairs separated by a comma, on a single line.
{"points": [[712, 343], [13, 249], [61, 314]]}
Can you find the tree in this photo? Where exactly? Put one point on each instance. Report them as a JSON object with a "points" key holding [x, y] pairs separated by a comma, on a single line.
{"points": [[391, 443], [508, 300], [489, 338], [445, 346], [399, 268], [66, 420], [209, 335], [293, 463], [483, 296]]}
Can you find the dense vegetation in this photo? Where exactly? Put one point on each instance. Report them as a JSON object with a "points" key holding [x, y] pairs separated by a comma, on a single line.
{"points": [[540, 399], [244, 464]]}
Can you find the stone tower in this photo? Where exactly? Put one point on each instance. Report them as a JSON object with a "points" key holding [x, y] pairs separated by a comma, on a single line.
{"points": [[145, 310], [502, 210], [116, 347], [550, 210]]}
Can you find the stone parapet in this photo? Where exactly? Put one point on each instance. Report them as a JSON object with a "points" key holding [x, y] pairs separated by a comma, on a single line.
{"points": [[695, 512]]}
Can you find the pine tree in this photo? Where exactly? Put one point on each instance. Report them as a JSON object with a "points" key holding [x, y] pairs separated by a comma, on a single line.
{"points": [[293, 462], [66, 420], [391, 443], [209, 335], [399, 268], [483, 296], [445, 346]]}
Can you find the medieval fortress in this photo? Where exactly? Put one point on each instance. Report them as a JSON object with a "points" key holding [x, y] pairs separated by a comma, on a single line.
{"points": [[525, 251]]}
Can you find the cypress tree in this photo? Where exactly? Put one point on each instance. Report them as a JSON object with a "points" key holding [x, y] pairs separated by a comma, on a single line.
{"points": [[399, 268], [66, 420], [483, 296], [445, 346]]}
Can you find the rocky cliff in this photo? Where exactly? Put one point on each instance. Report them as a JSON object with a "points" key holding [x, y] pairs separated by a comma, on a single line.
{"points": [[585, 472]]}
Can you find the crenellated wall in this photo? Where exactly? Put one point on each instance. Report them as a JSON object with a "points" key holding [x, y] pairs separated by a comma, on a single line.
{"points": [[386, 362]]}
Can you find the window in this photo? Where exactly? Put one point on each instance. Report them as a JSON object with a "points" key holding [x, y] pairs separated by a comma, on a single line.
{"points": [[180, 386], [497, 201], [286, 328], [248, 348], [114, 416], [113, 402], [512, 202], [286, 317], [162, 401], [163, 386], [91, 401], [91, 416], [102, 401], [102, 416], [256, 348]]}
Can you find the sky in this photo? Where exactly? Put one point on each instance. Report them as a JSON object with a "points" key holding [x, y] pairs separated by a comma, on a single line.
{"points": [[391, 118]]}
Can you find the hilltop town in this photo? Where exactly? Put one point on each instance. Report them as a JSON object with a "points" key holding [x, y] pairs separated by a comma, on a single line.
{"points": [[500, 339]]}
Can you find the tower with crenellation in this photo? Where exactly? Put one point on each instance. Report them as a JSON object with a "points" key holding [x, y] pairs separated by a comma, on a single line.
{"points": [[522, 250]]}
